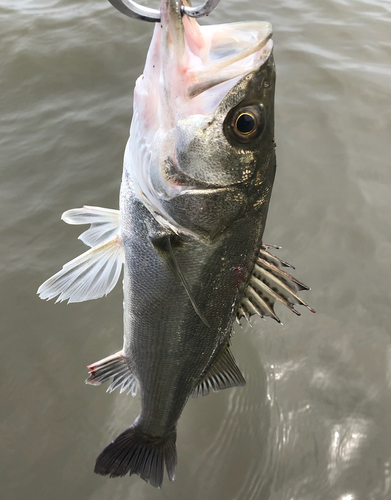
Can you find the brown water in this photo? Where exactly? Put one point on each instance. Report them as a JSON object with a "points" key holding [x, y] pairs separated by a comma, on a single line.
{"points": [[313, 421]]}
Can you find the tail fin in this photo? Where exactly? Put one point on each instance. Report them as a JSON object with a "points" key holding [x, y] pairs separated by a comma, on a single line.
{"points": [[136, 453]]}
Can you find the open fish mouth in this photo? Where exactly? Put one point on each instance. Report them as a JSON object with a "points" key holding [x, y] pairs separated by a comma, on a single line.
{"points": [[189, 71], [192, 59], [235, 49], [216, 49]]}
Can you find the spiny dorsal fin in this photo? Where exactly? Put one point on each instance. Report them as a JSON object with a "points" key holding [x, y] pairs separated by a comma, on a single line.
{"points": [[115, 367], [268, 284], [224, 373], [94, 273]]}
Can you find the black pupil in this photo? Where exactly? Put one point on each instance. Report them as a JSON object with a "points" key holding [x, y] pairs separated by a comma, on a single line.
{"points": [[245, 123]]}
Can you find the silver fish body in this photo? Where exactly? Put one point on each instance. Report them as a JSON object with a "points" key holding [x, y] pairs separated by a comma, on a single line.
{"points": [[198, 174], [174, 334]]}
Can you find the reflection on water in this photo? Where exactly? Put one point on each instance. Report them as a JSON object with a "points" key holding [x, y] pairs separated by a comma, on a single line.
{"points": [[346, 443], [313, 421]]}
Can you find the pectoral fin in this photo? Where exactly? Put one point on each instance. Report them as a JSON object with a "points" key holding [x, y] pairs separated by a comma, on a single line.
{"points": [[185, 284], [163, 242], [224, 373], [94, 273], [270, 283]]}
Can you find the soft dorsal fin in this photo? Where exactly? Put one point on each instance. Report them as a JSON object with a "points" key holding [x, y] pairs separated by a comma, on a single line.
{"points": [[224, 373], [270, 283], [115, 367], [94, 273]]}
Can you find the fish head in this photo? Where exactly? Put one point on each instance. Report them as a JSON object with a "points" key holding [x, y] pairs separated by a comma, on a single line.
{"points": [[201, 149]]}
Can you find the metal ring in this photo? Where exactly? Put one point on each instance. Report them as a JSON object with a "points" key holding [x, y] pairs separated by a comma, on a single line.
{"points": [[136, 11], [203, 10]]}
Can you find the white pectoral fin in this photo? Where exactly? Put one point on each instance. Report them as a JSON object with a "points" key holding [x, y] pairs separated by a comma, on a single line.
{"points": [[104, 223], [90, 276]]}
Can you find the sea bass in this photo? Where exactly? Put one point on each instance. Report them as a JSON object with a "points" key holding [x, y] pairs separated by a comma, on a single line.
{"points": [[198, 173]]}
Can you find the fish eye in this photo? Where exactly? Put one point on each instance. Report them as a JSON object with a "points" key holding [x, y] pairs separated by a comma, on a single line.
{"points": [[245, 124]]}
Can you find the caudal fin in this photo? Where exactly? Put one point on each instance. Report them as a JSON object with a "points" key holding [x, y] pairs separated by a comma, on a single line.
{"points": [[136, 453]]}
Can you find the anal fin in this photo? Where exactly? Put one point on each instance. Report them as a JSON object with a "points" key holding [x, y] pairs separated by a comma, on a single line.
{"points": [[115, 367], [223, 374]]}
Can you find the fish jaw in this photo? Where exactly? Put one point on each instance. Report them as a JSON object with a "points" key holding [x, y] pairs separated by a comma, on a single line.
{"points": [[189, 73]]}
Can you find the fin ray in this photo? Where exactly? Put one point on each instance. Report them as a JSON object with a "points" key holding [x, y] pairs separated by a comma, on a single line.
{"points": [[268, 284], [223, 374], [115, 367], [104, 223], [136, 453], [89, 276], [262, 304]]}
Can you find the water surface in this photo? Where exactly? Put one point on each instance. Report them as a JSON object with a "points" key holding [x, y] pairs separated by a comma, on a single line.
{"points": [[313, 421]]}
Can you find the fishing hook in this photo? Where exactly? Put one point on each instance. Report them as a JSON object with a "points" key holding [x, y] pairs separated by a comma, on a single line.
{"points": [[137, 11]]}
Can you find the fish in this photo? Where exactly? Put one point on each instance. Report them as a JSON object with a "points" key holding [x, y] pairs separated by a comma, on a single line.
{"points": [[199, 168]]}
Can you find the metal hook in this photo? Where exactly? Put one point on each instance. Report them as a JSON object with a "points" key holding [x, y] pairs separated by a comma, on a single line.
{"points": [[136, 11]]}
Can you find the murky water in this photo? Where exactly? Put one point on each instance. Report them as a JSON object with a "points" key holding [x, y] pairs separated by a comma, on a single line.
{"points": [[313, 421]]}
